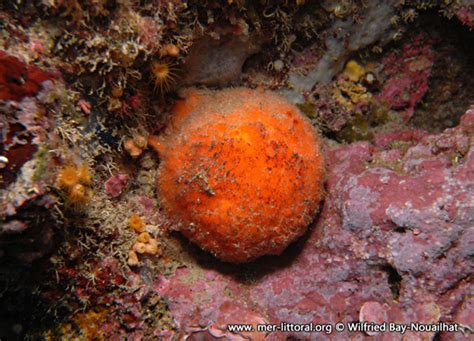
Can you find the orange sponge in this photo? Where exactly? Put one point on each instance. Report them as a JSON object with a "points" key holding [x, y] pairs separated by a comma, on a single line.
{"points": [[241, 172]]}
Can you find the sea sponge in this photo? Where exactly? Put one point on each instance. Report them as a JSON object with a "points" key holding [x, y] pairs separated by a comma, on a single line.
{"points": [[241, 172], [354, 71]]}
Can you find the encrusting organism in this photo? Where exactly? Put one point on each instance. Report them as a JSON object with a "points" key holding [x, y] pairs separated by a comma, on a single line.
{"points": [[144, 243], [241, 172], [115, 185], [170, 50], [135, 146]]}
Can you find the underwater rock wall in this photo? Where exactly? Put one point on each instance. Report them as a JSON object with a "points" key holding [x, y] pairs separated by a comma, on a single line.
{"points": [[87, 89], [396, 229]]}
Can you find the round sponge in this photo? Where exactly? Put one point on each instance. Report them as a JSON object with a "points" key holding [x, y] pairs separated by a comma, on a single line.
{"points": [[241, 172]]}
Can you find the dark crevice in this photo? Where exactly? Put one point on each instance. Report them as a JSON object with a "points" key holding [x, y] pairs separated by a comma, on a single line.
{"points": [[394, 280], [400, 229], [448, 95]]}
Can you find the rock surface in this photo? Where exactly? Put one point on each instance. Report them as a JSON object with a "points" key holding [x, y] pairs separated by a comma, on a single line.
{"points": [[394, 243], [26, 222]]}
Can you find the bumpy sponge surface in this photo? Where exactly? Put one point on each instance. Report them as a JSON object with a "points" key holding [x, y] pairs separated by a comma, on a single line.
{"points": [[241, 172]]}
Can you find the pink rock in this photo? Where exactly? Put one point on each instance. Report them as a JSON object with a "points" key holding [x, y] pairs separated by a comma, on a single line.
{"points": [[115, 184], [383, 140], [388, 245], [147, 205], [18, 79], [371, 254], [373, 312], [407, 76]]}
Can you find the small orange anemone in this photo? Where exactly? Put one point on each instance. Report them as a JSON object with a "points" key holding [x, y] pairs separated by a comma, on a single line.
{"points": [[68, 177], [241, 172], [73, 180], [136, 223], [78, 194], [71, 175], [163, 75], [84, 175]]}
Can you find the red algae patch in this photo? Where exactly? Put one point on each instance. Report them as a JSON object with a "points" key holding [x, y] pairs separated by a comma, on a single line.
{"points": [[241, 172]]}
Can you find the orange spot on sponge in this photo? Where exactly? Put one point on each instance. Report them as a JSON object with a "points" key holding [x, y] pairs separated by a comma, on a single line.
{"points": [[241, 172]]}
